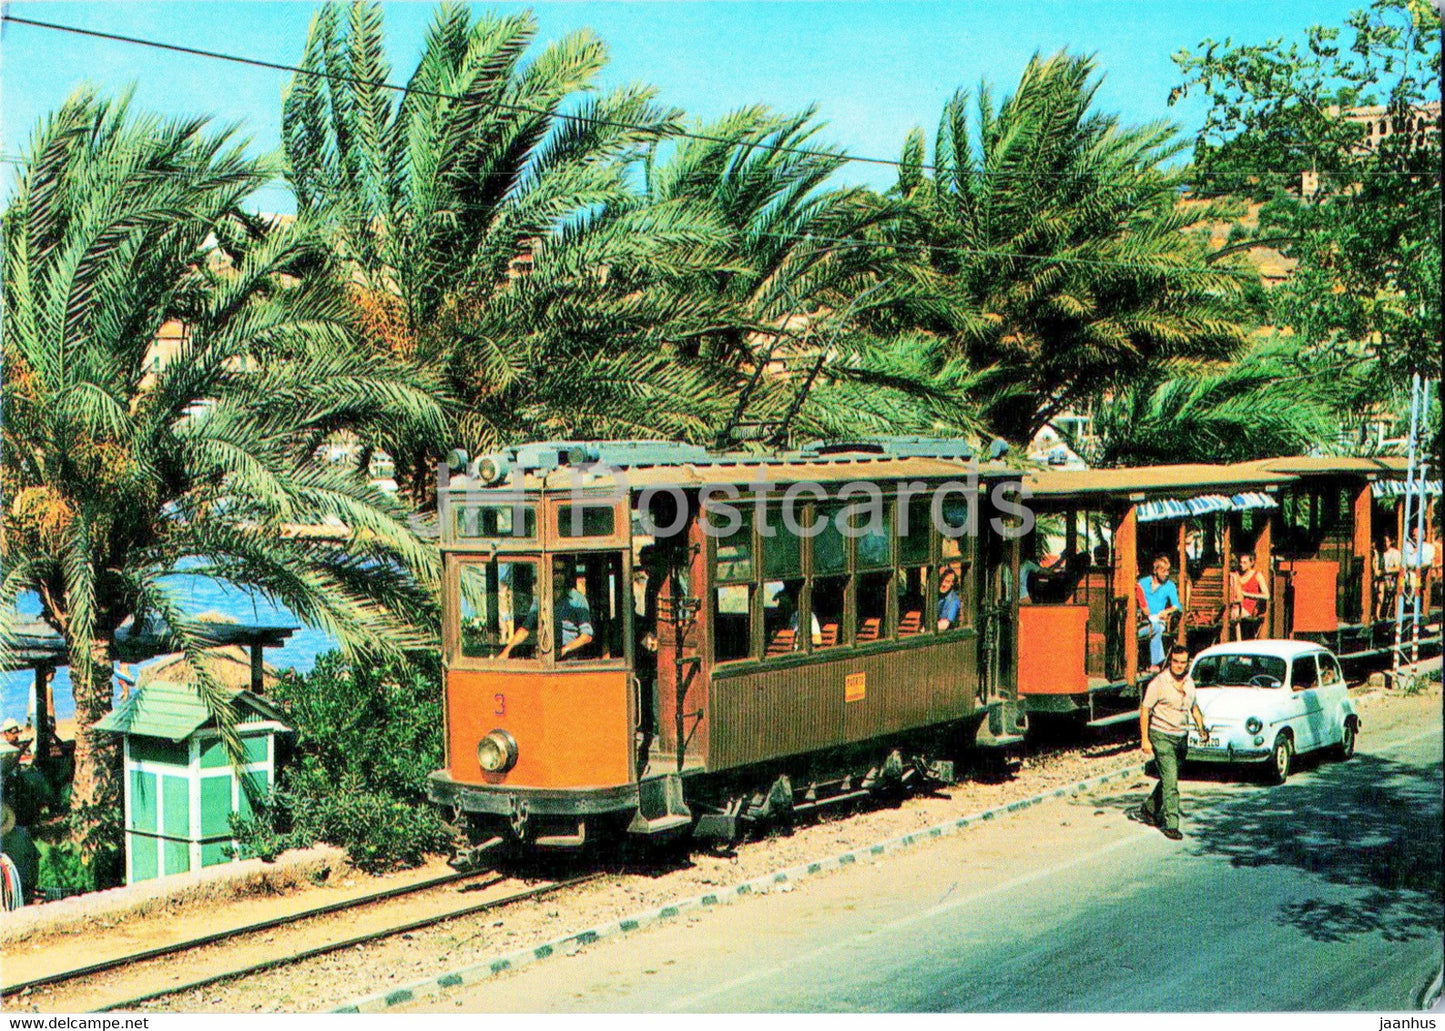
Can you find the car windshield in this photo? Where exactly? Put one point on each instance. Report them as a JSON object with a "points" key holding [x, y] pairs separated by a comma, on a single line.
{"points": [[1239, 671]]}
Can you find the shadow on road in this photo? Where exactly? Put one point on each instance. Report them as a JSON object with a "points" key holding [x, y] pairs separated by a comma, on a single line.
{"points": [[1372, 824]]}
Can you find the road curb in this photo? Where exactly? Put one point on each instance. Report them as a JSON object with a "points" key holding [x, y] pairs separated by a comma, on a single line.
{"points": [[569, 945]]}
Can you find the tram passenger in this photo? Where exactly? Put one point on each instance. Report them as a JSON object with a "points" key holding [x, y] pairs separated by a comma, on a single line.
{"points": [[1158, 597], [949, 606], [787, 602], [1029, 568], [571, 618], [1250, 590], [1416, 558], [1387, 577]]}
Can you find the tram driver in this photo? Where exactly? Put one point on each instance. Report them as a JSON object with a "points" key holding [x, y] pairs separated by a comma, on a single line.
{"points": [[571, 615]]}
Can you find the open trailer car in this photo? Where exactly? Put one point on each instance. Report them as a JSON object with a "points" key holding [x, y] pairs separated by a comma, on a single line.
{"points": [[1083, 635], [1337, 519]]}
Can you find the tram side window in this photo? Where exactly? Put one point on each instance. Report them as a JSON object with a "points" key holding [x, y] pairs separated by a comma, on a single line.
{"points": [[872, 607], [782, 550], [735, 553], [492, 597], [783, 618], [911, 586], [731, 615], [830, 596], [954, 599], [915, 530]]}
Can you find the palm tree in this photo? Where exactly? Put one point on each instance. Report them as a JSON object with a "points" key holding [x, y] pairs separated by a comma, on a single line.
{"points": [[119, 470], [1059, 246], [1276, 400], [486, 215], [804, 269]]}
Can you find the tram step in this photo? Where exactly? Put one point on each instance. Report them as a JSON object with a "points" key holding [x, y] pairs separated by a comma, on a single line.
{"points": [[660, 825]]}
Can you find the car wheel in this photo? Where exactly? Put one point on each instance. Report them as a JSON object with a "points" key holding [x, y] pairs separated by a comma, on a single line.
{"points": [[1347, 741], [1281, 759]]}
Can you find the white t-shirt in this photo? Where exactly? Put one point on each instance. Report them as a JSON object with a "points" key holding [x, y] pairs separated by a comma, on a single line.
{"points": [[1427, 555]]}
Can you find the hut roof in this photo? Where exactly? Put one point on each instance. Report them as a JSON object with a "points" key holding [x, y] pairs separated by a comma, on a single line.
{"points": [[175, 711]]}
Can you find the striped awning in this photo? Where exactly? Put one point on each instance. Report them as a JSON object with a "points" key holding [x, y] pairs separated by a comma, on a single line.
{"points": [[1184, 508], [1396, 488]]}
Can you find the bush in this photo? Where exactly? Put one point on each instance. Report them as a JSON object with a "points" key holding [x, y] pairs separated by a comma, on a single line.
{"points": [[64, 871], [367, 736]]}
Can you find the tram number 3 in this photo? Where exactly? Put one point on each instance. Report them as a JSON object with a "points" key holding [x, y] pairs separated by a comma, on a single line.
{"points": [[501, 700]]}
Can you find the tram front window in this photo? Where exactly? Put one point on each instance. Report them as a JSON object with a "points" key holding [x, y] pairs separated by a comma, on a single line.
{"points": [[491, 596], [588, 612]]}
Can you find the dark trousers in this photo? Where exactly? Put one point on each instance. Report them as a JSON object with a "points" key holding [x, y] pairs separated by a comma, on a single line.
{"points": [[1163, 805]]}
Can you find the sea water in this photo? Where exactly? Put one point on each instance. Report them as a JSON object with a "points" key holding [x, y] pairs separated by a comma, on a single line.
{"points": [[195, 595]]}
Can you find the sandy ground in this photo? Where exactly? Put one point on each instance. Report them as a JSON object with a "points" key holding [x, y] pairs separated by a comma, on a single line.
{"points": [[329, 981]]}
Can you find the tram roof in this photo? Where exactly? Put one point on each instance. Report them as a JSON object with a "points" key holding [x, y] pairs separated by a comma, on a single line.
{"points": [[772, 469], [1153, 479]]}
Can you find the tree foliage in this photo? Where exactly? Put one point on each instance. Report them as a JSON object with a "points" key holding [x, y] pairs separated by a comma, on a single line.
{"points": [[1273, 401], [1367, 235], [493, 233], [122, 466], [366, 738], [1057, 245]]}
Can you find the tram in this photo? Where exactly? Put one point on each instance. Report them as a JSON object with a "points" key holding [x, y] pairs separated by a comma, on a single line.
{"points": [[652, 639]]}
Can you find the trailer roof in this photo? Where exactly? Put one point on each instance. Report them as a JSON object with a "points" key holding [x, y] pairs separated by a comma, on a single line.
{"points": [[1153, 480], [1306, 465]]}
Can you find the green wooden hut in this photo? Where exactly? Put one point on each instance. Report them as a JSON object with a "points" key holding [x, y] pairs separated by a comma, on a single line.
{"points": [[180, 786]]}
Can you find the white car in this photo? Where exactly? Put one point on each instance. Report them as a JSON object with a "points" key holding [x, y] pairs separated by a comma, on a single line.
{"points": [[1267, 701]]}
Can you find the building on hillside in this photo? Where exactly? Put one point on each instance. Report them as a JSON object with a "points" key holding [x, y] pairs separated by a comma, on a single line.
{"points": [[1379, 125]]}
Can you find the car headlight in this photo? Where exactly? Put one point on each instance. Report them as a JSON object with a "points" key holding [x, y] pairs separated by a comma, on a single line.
{"points": [[1253, 725], [497, 752]]}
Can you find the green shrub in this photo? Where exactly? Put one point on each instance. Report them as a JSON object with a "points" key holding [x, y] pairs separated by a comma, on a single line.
{"points": [[367, 736], [63, 869]]}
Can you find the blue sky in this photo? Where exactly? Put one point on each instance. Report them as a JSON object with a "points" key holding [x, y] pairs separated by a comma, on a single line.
{"points": [[874, 68]]}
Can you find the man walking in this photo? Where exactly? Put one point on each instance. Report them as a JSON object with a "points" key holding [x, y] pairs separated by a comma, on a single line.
{"points": [[1169, 703]]}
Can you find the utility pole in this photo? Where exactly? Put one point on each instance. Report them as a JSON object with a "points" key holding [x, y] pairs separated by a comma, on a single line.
{"points": [[1421, 570], [1405, 523]]}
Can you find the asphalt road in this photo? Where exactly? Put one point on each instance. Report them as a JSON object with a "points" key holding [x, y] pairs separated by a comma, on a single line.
{"points": [[1323, 894]]}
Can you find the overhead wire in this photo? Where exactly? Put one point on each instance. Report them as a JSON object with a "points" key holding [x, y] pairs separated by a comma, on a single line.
{"points": [[657, 131], [662, 132]]}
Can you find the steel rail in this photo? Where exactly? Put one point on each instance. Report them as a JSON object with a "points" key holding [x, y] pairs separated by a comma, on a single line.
{"points": [[263, 925], [362, 939]]}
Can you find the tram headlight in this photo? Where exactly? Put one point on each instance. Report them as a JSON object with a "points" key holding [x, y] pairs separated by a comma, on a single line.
{"points": [[497, 752], [491, 468], [1253, 725]]}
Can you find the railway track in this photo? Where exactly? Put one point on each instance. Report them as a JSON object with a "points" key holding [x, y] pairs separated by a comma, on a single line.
{"points": [[142, 966]]}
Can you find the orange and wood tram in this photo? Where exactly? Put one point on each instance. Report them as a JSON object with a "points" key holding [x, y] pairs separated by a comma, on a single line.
{"points": [[655, 639]]}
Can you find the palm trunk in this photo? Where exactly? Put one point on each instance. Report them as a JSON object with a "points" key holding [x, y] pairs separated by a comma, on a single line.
{"points": [[95, 795]]}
